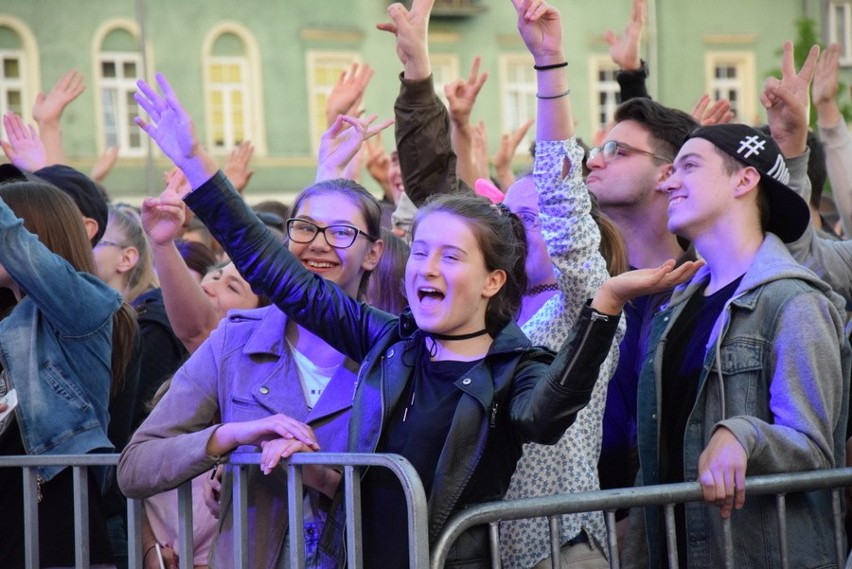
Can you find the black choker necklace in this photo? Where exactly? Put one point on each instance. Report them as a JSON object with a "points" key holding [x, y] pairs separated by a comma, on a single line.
{"points": [[541, 288], [451, 337]]}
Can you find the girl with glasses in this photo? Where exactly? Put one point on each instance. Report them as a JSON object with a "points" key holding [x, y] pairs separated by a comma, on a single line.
{"points": [[260, 375]]}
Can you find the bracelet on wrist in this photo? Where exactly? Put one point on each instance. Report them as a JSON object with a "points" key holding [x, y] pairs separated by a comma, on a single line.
{"points": [[550, 66], [147, 551], [557, 96]]}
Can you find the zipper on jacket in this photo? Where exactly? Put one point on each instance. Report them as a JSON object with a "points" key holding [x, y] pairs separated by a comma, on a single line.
{"points": [[39, 481], [593, 317], [494, 407]]}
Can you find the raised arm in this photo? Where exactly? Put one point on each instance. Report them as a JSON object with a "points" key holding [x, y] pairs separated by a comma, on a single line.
{"points": [[834, 133], [48, 109], [191, 313], [461, 96], [625, 50], [237, 169], [423, 144]]}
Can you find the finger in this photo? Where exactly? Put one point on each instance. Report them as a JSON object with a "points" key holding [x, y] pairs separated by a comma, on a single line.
{"points": [[473, 76], [700, 106], [480, 81], [809, 66], [377, 128], [638, 16], [787, 64], [609, 38], [708, 486], [387, 27]]}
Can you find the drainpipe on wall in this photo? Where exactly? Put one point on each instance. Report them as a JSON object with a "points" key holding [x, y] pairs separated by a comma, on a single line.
{"points": [[653, 59]]}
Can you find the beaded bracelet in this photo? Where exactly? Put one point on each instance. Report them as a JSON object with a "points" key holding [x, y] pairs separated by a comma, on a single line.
{"points": [[563, 94], [551, 66]]}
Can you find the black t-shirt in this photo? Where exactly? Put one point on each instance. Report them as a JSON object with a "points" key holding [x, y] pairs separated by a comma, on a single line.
{"points": [[417, 429], [683, 361]]}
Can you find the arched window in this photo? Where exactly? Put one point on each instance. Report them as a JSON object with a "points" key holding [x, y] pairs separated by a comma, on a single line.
{"points": [[18, 67], [118, 64], [232, 89]]}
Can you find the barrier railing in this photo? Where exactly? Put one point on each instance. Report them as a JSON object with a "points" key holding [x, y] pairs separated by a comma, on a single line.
{"points": [[490, 514], [666, 495], [351, 463]]}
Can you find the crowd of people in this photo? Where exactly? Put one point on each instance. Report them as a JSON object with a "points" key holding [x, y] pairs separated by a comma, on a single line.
{"points": [[667, 305]]}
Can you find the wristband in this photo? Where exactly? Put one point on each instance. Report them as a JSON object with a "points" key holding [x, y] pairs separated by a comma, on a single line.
{"points": [[557, 96], [550, 66]]}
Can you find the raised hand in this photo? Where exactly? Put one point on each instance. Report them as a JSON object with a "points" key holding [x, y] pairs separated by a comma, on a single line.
{"points": [[540, 25], [624, 50], [410, 28], [377, 161], [172, 129], [506, 153], [24, 148], [461, 94], [826, 85], [163, 217], [722, 470], [348, 92], [48, 108], [618, 291], [236, 169], [708, 112], [787, 101], [342, 141]]}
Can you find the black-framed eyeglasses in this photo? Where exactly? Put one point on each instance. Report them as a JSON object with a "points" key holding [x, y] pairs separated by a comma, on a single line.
{"points": [[339, 236], [610, 148], [530, 219]]}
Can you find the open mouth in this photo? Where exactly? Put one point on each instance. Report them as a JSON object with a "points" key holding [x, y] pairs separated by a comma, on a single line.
{"points": [[319, 265], [676, 200], [428, 295]]}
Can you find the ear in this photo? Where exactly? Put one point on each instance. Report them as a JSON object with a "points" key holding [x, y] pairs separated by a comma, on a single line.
{"points": [[91, 227], [748, 180], [664, 171], [129, 259], [374, 254], [493, 283]]}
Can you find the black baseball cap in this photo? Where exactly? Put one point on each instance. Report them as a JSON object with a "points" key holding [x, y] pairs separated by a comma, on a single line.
{"points": [[789, 214]]}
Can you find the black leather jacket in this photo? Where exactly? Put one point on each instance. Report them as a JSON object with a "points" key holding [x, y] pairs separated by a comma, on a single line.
{"points": [[521, 393]]}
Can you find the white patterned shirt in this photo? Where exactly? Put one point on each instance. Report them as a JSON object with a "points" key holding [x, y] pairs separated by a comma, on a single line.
{"points": [[571, 465]]}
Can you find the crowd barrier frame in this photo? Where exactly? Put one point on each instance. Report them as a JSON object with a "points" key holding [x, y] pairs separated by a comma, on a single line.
{"points": [[352, 465]]}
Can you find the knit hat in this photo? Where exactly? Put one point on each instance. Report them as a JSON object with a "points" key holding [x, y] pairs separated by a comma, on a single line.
{"points": [[789, 214]]}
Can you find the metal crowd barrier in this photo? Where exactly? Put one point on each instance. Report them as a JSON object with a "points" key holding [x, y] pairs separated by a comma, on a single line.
{"points": [[666, 495], [491, 514], [351, 463]]}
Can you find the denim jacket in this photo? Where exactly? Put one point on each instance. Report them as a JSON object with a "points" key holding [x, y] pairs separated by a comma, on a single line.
{"points": [[776, 373], [516, 396], [55, 346]]}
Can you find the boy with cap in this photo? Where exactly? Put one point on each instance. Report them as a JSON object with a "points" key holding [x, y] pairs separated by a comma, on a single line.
{"points": [[748, 366]]}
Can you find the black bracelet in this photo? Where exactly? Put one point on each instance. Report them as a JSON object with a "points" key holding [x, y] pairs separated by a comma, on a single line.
{"points": [[551, 66], [147, 551], [557, 96]]}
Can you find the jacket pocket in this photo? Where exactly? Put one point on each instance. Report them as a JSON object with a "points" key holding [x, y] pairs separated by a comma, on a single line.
{"points": [[64, 387], [742, 364]]}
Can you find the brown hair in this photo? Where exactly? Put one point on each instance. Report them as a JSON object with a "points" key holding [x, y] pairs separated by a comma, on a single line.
{"points": [[55, 219], [358, 195], [502, 239], [386, 289]]}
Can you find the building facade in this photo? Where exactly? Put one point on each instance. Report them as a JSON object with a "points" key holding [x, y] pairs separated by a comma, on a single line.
{"points": [[260, 70]]}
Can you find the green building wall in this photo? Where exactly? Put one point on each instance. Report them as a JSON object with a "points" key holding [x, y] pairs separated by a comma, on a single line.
{"points": [[680, 33]]}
